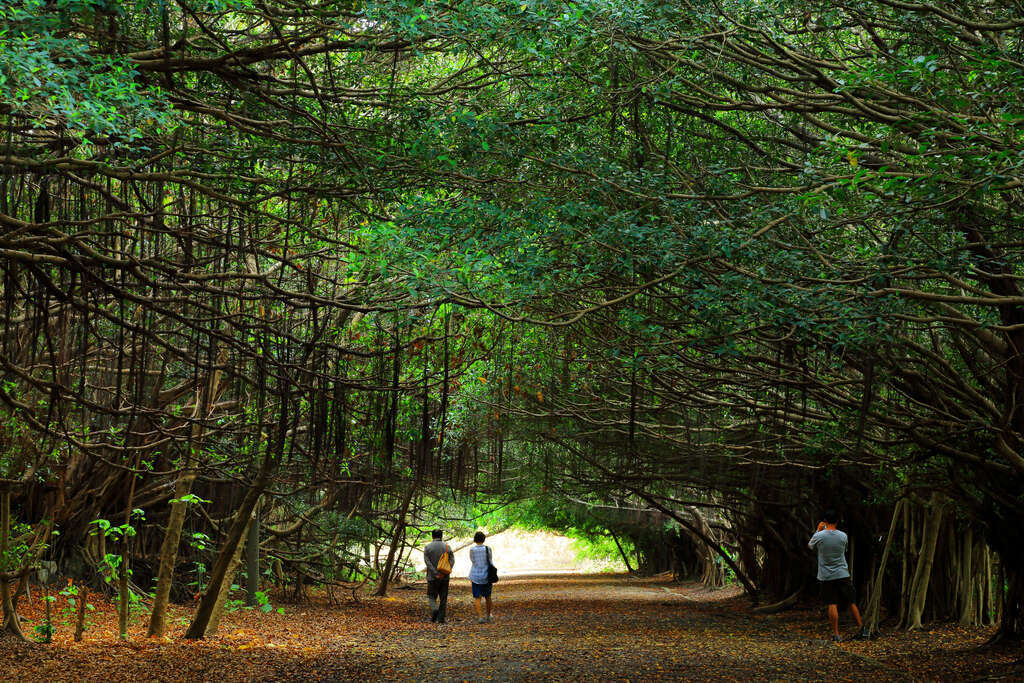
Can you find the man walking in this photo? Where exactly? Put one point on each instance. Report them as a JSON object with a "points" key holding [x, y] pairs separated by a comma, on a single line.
{"points": [[834, 574], [437, 578]]}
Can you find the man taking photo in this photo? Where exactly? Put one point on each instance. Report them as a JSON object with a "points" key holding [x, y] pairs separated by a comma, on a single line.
{"points": [[834, 574]]}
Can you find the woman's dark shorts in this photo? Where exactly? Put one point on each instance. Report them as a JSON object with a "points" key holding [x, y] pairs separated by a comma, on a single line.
{"points": [[481, 590], [838, 592]]}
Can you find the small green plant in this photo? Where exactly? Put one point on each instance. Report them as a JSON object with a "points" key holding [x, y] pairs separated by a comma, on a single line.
{"points": [[110, 564], [234, 604], [189, 499], [200, 580], [135, 604], [72, 593], [199, 541], [262, 602], [44, 631]]}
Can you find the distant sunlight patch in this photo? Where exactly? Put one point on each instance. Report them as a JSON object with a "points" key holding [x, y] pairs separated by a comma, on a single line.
{"points": [[527, 552]]}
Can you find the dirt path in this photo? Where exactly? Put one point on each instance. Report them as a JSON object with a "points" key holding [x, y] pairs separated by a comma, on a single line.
{"points": [[545, 628]]}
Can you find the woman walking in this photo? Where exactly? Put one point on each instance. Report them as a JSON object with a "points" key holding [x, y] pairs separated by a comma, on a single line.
{"points": [[480, 556]]}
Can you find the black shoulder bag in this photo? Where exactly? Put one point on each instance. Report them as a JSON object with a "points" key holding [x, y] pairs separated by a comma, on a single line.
{"points": [[492, 571]]}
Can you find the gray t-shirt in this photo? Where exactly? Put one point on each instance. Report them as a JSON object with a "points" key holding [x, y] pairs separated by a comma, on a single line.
{"points": [[432, 553], [831, 547]]}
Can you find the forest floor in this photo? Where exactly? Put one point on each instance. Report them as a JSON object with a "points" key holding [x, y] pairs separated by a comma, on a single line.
{"points": [[559, 627]]}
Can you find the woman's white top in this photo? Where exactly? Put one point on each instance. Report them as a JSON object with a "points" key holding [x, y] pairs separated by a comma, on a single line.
{"points": [[478, 556]]}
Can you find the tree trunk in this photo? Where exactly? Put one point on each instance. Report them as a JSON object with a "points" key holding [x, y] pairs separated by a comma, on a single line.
{"points": [[169, 549], [123, 599], [622, 552], [871, 616], [987, 602], [908, 531], [11, 624], [252, 560], [49, 615], [389, 564], [123, 595], [182, 487], [80, 617], [925, 561], [225, 587], [228, 552], [712, 572], [999, 594], [781, 605], [968, 583], [714, 546], [1011, 623], [980, 607]]}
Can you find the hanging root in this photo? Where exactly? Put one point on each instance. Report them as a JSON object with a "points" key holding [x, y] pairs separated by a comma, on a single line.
{"points": [[781, 605]]}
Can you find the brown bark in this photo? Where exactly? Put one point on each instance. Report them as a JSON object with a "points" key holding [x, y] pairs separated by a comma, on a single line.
{"points": [[239, 523], [123, 601], [872, 614], [389, 564], [925, 561], [123, 591], [225, 587], [712, 572], [905, 569], [252, 559], [169, 549], [80, 617], [988, 602], [781, 605], [11, 624], [49, 614], [622, 552], [748, 584], [179, 508], [968, 583], [1011, 613]]}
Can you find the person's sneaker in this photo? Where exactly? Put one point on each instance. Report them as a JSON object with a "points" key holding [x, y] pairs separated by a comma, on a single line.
{"points": [[480, 620], [862, 634], [837, 638], [433, 615], [488, 618]]}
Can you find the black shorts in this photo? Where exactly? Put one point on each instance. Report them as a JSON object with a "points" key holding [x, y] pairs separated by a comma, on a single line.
{"points": [[838, 592]]}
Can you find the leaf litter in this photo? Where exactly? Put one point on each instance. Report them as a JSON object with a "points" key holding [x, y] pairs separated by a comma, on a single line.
{"points": [[564, 627]]}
